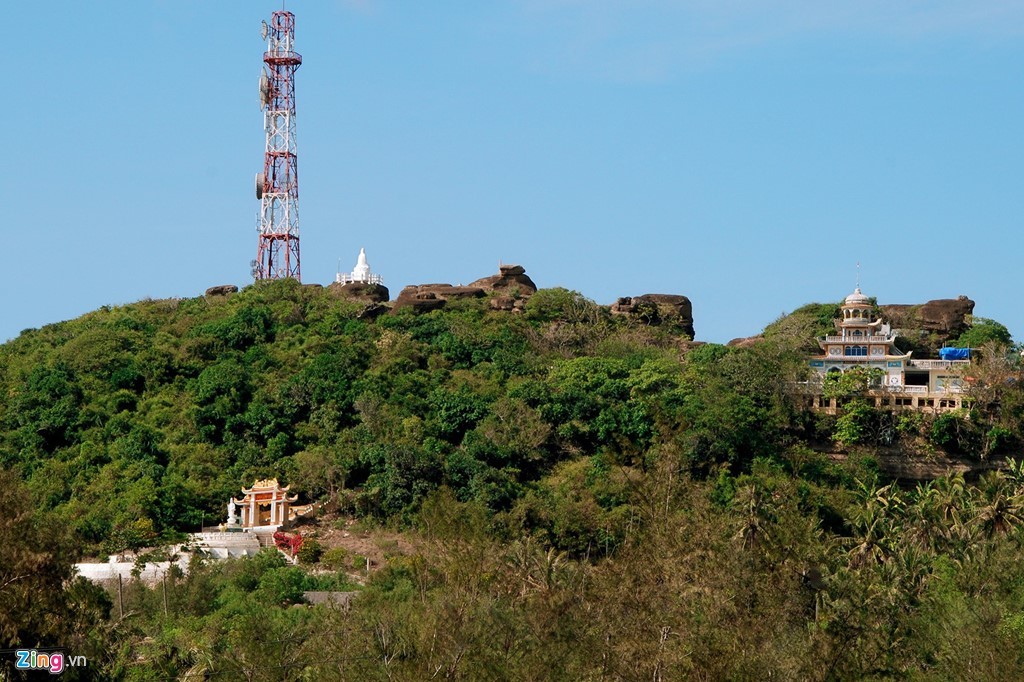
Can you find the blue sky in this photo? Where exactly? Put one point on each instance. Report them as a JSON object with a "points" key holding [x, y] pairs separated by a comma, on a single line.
{"points": [[745, 154]]}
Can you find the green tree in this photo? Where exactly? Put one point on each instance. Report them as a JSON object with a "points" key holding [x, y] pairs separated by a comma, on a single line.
{"points": [[42, 604], [983, 331]]}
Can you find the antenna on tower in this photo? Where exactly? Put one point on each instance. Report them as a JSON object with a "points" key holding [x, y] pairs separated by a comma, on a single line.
{"points": [[858, 274], [277, 186]]}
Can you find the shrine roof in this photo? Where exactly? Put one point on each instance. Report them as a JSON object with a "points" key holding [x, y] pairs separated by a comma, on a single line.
{"points": [[267, 484]]}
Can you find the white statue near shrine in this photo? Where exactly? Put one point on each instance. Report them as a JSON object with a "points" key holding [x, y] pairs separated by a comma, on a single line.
{"points": [[232, 520]]}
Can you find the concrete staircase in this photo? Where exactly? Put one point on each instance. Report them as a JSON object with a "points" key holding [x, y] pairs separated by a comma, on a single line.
{"points": [[228, 545]]}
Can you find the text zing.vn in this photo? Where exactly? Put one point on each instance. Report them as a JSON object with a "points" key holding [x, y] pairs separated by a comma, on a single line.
{"points": [[31, 659]]}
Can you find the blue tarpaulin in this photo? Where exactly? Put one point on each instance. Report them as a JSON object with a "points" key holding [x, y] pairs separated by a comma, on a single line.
{"points": [[955, 353]]}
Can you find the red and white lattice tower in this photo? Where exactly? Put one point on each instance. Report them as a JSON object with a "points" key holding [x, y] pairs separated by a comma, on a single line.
{"points": [[277, 187]]}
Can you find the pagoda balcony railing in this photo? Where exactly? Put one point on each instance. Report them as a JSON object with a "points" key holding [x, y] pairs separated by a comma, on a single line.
{"points": [[938, 364], [859, 339], [343, 278], [920, 390]]}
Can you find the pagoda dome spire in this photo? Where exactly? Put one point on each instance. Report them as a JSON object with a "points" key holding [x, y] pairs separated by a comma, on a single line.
{"points": [[856, 298]]}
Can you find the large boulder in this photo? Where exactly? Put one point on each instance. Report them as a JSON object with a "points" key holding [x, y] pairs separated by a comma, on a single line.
{"points": [[363, 292], [510, 281], [222, 290], [930, 325], [658, 309]]}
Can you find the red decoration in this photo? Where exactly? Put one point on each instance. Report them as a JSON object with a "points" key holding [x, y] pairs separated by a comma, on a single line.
{"points": [[288, 542]]}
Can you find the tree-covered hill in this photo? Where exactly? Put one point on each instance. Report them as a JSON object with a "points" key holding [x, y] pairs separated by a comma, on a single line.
{"points": [[140, 420], [590, 497]]}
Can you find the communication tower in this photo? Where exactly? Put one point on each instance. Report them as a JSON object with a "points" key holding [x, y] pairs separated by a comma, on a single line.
{"points": [[277, 187]]}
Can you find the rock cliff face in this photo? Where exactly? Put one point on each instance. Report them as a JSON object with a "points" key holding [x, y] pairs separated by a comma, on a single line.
{"points": [[930, 325], [658, 309], [363, 292], [912, 466]]}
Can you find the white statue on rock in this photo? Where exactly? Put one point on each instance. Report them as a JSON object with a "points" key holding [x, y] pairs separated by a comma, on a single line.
{"points": [[360, 273]]}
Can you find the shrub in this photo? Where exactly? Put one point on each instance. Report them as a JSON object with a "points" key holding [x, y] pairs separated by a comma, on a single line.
{"points": [[563, 305], [336, 558], [945, 430], [310, 551]]}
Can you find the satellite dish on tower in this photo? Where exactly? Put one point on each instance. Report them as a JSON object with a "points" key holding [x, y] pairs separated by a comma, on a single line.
{"points": [[264, 90], [261, 180], [264, 30]]}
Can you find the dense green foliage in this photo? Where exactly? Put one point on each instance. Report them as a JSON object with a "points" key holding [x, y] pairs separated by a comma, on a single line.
{"points": [[800, 569], [138, 421], [590, 496]]}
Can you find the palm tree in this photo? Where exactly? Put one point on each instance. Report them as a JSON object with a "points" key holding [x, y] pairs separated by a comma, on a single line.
{"points": [[752, 532], [1003, 508], [939, 513], [1015, 475], [876, 525]]}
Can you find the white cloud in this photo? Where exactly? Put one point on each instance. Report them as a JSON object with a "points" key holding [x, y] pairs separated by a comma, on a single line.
{"points": [[648, 39]]}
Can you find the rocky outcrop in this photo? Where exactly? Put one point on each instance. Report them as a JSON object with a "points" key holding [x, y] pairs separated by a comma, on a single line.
{"points": [[426, 297], [420, 303], [930, 325], [745, 342], [657, 309], [507, 303], [510, 280], [511, 286], [222, 290], [363, 292], [437, 291], [372, 311]]}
